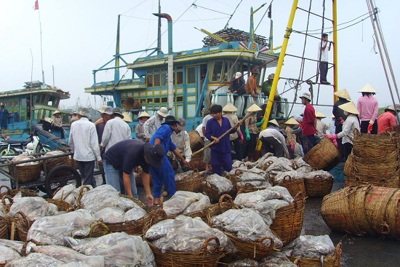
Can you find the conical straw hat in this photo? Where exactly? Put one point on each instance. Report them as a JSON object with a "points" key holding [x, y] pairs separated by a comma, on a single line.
{"points": [[350, 108], [367, 89], [291, 121], [254, 108], [274, 122], [319, 114], [229, 108], [127, 117], [343, 94], [144, 114]]}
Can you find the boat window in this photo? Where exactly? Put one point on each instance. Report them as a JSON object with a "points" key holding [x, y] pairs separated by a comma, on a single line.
{"points": [[149, 80], [216, 76], [156, 79], [191, 75], [163, 80], [179, 78]]}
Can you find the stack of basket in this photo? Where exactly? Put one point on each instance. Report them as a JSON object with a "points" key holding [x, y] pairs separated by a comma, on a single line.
{"points": [[364, 210], [374, 160], [324, 156], [196, 143]]}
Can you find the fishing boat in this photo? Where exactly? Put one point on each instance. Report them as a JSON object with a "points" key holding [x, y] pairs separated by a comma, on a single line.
{"points": [[30, 105], [188, 81]]}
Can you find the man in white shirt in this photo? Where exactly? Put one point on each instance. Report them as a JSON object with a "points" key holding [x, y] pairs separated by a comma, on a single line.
{"points": [[324, 49], [84, 143], [180, 138], [155, 121]]}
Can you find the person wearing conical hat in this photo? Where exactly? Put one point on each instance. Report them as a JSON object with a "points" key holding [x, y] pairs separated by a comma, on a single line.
{"points": [[229, 112], [57, 123], [322, 127], [308, 124], [367, 105], [251, 130], [387, 119], [237, 84], [293, 144], [349, 125], [340, 116], [139, 129], [273, 140]]}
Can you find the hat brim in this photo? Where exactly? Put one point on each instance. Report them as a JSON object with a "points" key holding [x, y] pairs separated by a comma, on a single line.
{"points": [[119, 114], [162, 114], [147, 153]]}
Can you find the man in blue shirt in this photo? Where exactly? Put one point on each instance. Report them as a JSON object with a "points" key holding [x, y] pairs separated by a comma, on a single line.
{"points": [[165, 175], [221, 156]]}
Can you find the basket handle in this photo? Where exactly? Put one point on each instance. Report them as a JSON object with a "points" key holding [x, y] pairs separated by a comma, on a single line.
{"points": [[6, 207], [238, 172], [318, 177], [271, 241], [225, 198], [385, 228], [81, 193], [24, 218], [242, 164], [287, 177], [205, 244], [101, 225], [8, 190]]}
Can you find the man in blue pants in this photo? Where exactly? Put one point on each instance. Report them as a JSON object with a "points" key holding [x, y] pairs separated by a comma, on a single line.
{"points": [[164, 175]]}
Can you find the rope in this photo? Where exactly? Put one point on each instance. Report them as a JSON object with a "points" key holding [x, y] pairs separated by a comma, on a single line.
{"points": [[234, 11]]}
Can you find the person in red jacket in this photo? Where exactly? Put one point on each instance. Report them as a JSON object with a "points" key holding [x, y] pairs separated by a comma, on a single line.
{"points": [[308, 125], [387, 119]]}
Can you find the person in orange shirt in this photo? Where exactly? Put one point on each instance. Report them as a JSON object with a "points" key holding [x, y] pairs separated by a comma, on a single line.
{"points": [[251, 85], [387, 119]]}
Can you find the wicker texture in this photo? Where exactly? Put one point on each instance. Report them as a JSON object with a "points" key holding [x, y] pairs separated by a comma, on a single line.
{"points": [[251, 249], [22, 225], [3, 228], [288, 220], [204, 257], [225, 203], [328, 261], [323, 156], [54, 162], [5, 190], [293, 185], [363, 210], [197, 162], [317, 186], [192, 182], [26, 173], [212, 192]]}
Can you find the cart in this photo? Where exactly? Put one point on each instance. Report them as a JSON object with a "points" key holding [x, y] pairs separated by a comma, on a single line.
{"points": [[49, 181]]}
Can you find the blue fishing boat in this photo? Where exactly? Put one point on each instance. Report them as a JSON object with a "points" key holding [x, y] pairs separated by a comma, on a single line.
{"points": [[187, 81], [28, 107]]}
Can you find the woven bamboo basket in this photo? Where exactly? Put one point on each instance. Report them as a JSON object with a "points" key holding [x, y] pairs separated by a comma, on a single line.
{"points": [[61, 204], [317, 186], [251, 249], [54, 162], [135, 227], [391, 180], [288, 220], [225, 203], [3, 227], [204, 257], [247, 188], [393, 215], [12, 192], [193, 182], [375, 205], [374, 145], [98, 229], [323, 156], [22, 225], [293, 185], [197, 162], [26, 173], [356, 202], [212, 192], [196, 142], [333, 260], [336, 212]]}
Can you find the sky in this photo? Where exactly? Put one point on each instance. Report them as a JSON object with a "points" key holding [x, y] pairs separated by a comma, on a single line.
{"points": [[79, 36]]}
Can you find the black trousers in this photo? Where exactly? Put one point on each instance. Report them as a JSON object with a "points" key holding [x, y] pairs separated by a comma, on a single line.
{"points": [[323, 71]]}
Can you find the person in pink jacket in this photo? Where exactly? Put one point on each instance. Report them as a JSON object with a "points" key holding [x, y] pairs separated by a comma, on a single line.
{"points": [[367, 105]]}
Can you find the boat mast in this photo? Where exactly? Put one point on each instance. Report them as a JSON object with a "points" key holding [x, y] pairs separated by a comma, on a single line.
{"points": [[116, 70], [159, 29]]}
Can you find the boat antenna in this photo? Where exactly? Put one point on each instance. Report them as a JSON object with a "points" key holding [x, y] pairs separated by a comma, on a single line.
{"points": [[159, 30], [230, 17], [41, 39]]}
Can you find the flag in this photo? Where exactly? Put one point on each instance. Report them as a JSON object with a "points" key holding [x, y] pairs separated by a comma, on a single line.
{"points": [[36, 7]]}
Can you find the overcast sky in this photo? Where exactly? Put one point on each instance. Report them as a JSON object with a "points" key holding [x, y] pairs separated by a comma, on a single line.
{"points": [[79, 36]]}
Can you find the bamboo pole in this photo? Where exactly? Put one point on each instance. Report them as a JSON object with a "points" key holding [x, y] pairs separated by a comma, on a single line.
{"points": [[224, 134]]}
